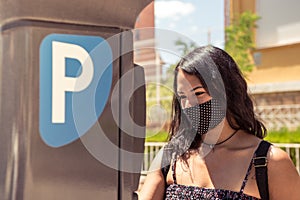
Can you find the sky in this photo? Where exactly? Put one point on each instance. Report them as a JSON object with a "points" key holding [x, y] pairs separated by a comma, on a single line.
{"points": [[192, 19]]}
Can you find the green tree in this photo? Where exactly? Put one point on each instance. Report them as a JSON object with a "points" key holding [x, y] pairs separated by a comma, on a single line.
{"points": [[185, 48], [240, 40]]}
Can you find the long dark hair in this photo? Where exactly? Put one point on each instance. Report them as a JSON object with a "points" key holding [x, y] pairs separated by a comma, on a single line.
{"points": [[222, 79]]}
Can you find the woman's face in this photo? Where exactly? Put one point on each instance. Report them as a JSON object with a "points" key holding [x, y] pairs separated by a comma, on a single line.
{"points": [[190, 90]]}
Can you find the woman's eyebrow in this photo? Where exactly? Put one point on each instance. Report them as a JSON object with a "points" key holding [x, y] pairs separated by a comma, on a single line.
{"points": [[195, 88]]}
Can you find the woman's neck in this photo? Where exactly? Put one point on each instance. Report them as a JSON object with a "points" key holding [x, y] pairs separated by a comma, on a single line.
{"points": [[219, 135]]}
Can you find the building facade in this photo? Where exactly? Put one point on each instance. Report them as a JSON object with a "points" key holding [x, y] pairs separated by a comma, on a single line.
{"points": [[275, 80], [145, 53]]}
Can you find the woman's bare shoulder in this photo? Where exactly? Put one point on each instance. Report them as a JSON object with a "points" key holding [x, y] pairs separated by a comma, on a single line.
{"points": [[279, 159], [284, 180]]}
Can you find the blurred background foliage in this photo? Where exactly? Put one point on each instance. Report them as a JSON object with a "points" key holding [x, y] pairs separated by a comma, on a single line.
{"points": [[239, 40], [280, 136]]}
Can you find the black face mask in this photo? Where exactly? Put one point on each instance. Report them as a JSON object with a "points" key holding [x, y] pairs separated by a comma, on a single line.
{"points": [[206, 116]]}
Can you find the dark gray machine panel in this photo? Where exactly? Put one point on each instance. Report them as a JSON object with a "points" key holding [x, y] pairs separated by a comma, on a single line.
{"points": [[112, 13], [30, 169]]}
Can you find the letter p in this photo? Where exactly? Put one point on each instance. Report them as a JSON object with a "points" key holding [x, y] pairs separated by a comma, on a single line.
{"points": [[61, 83]]}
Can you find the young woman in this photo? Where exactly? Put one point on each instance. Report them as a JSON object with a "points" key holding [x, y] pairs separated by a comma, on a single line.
{"points": [[216, 149]]}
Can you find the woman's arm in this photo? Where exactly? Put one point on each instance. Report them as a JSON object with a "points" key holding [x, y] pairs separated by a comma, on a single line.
{"points": [[154, 185], [284, 180]]}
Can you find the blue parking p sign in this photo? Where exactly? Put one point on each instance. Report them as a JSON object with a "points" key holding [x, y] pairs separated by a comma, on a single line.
{"points": [[75, 83]]}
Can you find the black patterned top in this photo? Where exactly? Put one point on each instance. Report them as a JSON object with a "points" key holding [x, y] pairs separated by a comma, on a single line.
{"points": [[178, 191]]}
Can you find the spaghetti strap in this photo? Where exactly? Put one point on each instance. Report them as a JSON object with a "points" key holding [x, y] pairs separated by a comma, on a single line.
{"points": [[173, 171], [248, 171], [246, 177]]}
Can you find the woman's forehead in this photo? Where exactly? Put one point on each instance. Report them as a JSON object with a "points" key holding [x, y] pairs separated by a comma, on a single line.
{"points": [[186, 81]]}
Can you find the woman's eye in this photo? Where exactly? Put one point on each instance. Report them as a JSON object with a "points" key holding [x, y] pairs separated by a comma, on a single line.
{"points": [[182, 97], [199, 93]]}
